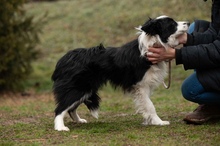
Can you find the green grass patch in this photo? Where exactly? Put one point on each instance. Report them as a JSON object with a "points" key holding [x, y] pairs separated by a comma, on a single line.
{"points": [[28, 120], [83, 23]]}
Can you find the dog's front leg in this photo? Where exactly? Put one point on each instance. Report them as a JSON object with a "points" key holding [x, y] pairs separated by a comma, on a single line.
{"points": [[145, 106], [150, 115]]}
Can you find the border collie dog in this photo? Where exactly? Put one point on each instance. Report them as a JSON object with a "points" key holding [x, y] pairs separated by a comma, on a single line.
{"points": [[81, 72]]}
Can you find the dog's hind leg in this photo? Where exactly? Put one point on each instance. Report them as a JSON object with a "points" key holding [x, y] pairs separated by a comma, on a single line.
{"points": [[73, 111], [59, 119], [75, 117], [66, 104], [59, 123], [93, 104]]}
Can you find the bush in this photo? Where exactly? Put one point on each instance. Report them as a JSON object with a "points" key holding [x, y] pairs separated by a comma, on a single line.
{"points": [[18, 37], [41, 0]]}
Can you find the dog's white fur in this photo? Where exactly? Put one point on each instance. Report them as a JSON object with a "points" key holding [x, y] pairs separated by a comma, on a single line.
{"points": [[154, 76], [143, 89]]}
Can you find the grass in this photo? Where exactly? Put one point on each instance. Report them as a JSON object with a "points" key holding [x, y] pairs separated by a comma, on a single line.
{"points": [[28, 120]]}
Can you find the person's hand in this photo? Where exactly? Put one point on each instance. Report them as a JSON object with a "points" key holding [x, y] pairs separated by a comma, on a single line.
{"points": [[156, 55]]}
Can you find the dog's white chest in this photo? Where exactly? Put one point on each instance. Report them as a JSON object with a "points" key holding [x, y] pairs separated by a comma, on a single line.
{"points": [[155, 75]]}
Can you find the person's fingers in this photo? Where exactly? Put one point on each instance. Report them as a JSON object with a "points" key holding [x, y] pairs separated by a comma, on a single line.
{"points": [[151, 49], [152, 55], [157, 46], [153, 59]]}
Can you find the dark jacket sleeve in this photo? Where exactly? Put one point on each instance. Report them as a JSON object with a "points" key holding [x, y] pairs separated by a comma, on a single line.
{"points": [[202, 50], [202, 38], [205, 56]]}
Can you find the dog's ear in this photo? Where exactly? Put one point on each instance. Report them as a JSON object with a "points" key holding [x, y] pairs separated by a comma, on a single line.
{"points": [[151, 27]]}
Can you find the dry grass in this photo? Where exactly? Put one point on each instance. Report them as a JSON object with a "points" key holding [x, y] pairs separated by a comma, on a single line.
{"points": [[28, 120]]}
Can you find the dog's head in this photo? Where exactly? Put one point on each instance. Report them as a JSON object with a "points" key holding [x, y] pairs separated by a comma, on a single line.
{"points": [[165, 27], [162, 30]]}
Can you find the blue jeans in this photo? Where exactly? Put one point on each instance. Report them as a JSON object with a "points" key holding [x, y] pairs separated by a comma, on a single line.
{"points": [[193, 90], [191, 28]]}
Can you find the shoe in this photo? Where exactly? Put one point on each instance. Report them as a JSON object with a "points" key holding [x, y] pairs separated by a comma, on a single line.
{"points": [[202, 114]]}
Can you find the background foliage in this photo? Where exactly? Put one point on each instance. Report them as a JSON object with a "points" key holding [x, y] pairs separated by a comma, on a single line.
{"points": [[28, 120], [18, 37], [69, 27], [84, 23]]}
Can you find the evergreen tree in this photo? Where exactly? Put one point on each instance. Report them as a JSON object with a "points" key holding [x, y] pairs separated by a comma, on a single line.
{"points": [[18, 37]]}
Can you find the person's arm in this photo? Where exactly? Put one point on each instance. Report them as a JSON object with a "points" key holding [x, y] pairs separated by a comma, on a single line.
{"points": [[203, 56], [197, 38]]}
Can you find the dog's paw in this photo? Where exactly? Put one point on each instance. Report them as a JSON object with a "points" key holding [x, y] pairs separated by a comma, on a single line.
{"points": [[63, 128], [81, 121], [153, 119], [165, 123], [161, 123]]}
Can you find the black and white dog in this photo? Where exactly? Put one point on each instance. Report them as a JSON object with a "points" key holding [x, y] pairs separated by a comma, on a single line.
{"points": [[81, 72]]}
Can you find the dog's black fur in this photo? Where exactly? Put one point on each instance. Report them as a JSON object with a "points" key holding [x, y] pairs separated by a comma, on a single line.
{"points": [[85, 70], [81, 72], [163, 27]]}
